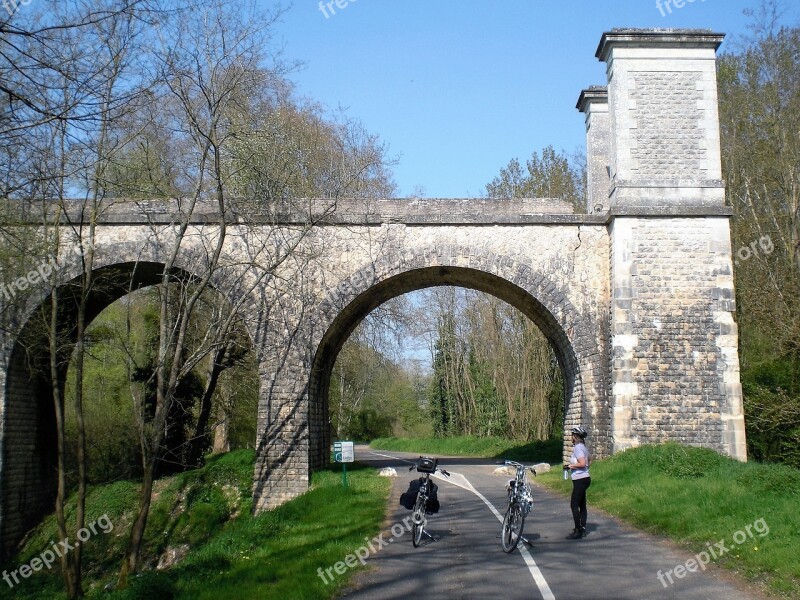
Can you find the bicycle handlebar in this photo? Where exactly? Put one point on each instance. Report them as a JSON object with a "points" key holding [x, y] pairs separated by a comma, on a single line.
{"points": [[442, 471], [519, 466]]}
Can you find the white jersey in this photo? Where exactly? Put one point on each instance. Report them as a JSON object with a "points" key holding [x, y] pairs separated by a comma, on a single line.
{"points": [[579, 451]]}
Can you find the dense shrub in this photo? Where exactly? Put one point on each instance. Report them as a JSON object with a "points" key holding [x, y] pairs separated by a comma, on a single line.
{"points": [[368, 424], [772, 421]]}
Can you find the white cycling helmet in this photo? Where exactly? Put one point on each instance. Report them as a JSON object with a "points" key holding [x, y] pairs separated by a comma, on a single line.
{"points": [[579, 431]]}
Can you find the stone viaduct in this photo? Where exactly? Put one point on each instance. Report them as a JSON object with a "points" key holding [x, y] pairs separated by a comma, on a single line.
{"points": [[635, 293]]}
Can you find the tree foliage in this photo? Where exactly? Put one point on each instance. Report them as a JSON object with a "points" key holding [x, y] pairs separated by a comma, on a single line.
{"points": [[375, 391], [121, 340], [494, 373], [550, 174], [759, 85], [132, 100]]}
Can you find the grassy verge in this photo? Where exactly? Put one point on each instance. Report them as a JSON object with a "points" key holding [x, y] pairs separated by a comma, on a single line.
{"points": [[548, 451], [228, 553], [699, 498]]}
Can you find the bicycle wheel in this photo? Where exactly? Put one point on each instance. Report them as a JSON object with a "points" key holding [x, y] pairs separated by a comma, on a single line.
{"points": [[418, 521], [513, 523]]}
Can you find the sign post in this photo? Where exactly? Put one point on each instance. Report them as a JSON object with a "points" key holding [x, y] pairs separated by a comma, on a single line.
{"points": [[344, 453]]}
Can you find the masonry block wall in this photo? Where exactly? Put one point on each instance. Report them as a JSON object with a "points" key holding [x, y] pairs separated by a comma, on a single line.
{"points": [[556, 272], [283, 456], [28, 461], [675, 369], [593, 102]]}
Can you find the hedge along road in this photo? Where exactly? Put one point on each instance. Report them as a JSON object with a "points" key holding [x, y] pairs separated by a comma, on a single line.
{"points": [[466, 561]]}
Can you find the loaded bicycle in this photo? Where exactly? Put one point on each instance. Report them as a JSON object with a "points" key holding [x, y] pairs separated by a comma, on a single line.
{"points": [[422, 494], [520, 502]]}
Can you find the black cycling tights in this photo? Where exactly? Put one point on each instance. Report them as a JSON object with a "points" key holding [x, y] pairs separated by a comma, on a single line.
{"points": [[578, 501]]}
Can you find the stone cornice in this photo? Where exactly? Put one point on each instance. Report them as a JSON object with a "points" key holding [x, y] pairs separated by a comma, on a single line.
{"points": [[657, 38], [596, 94]]}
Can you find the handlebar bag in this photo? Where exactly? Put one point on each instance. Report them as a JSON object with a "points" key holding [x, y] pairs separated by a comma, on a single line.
{"points": [[427, 464]]}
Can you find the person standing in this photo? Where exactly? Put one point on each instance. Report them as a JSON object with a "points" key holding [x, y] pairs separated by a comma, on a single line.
{"points": [[579, 473]]}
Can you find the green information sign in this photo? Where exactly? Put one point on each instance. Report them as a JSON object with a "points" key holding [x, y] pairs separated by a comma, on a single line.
{"points": [[344, 452]]}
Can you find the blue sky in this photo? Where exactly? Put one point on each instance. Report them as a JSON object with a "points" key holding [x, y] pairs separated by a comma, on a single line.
{"points": [[457, 89]]}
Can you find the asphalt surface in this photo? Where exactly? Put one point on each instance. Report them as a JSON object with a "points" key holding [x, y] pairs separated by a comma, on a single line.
{"points": [[613, 561]]}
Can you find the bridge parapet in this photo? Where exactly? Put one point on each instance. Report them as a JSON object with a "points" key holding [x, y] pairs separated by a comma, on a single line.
{"points": [[356, 211]]}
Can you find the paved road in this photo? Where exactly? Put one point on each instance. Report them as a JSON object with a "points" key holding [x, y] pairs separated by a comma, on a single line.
{"points": [[613, 562]]}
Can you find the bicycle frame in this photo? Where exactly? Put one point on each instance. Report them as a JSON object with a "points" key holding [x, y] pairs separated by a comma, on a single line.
{"points": [[520, 503], [419, 513], [519, 490], [418, 517]]}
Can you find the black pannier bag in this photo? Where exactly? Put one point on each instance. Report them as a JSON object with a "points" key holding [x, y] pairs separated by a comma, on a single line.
{"points": [[409, 498], [433, 498]]}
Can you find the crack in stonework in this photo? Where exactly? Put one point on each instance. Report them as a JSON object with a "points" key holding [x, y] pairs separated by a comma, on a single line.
{"points": [[575, 249]]}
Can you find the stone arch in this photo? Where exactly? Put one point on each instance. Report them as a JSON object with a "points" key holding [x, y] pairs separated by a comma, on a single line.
{"points": [[28, 476], [541, 298]]}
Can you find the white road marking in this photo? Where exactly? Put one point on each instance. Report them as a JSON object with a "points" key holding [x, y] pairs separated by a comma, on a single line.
{"points": [[459, 480], [411, 462]]}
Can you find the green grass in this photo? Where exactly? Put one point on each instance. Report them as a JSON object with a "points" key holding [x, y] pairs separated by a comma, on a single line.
{"points": [[548, 451], [697, 497], [231, 553]]}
